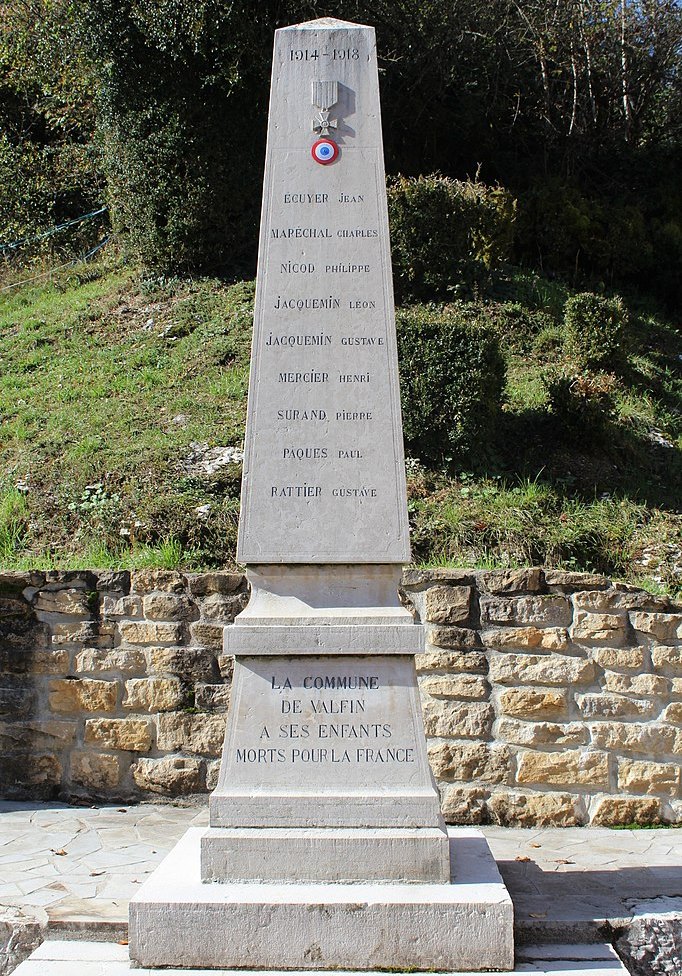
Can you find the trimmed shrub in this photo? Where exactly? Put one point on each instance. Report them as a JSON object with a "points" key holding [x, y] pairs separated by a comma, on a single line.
{"points": [[581, 404], [594, 328], [445, 233], [451, 381]]}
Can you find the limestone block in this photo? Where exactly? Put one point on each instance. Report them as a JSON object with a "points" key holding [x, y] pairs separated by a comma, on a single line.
{"points": [[619, 598], [641, 776], [212, 698], [47, 734], [165, 580], [221, 608], [472, 662], [651, 945], [614, 706], [542, 733], [207, 635], [138, 632], [625, 658], [552, 610], [97, 771], [12, 608], [77, 603], [14, 581], [124, 606], [464, 805], [673, 713], [92, 632], [535, 810], [128, 734], [16, 699], [676, 686], [534, 703], [578, 767], [115, 580], [455, 686], [561, 581], [513, 581], [153, 694], [453, 638], [202, 584], [666, 627], [617, 810], [182, 732], [448, 604], [226, 666], [667, 658], [82, 695], [599, 627], [651, 740], [169, 606], [439, 574], [171, 775], [19, 660], [468, 720], [19, 628], [530, 669], [470, 761], [30, 771], [212, 774], [191, 663], [95, 660], [594, 601], [21, 931], [545, 638], [636, 684]]}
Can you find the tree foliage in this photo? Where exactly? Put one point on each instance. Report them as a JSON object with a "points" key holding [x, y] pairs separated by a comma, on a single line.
{"points": [[49, 167], [581, 97]]}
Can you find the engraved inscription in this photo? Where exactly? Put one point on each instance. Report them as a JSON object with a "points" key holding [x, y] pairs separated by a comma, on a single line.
{"points": [[312, 718], [323, 433]]}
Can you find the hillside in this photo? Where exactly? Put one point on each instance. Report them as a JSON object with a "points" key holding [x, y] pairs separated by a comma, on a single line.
{"points": [[122, 405]]}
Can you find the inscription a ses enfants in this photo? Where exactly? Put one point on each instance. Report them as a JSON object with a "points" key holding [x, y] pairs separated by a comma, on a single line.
{"points": [[325, 719]]}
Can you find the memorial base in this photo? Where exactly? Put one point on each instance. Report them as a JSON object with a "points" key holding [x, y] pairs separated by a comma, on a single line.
{"points": [[178, 921], [410, 855]]}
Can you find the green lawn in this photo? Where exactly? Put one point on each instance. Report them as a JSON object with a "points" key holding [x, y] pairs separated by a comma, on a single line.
{"points": [[118, 396]]}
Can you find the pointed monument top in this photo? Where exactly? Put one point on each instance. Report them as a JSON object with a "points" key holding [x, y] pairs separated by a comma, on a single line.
{"points": [[328, 22]]}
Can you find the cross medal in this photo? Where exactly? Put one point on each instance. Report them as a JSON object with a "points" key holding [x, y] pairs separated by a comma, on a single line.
{"points": [[325, 94]]}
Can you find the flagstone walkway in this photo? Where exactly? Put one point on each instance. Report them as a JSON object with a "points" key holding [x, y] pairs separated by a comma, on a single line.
{"points": [[80, 864], [73, 869]]}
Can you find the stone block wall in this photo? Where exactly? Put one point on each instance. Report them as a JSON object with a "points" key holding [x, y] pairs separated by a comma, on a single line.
{"points": [[549, 697], [113, 685]]}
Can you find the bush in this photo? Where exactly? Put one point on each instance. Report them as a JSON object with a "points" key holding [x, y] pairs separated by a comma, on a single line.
{"points": [[451, 381], [594, 328], [445, 233], [580, 403]]}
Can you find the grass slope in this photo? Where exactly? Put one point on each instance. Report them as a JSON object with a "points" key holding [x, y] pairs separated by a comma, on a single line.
{"points": [[120, 399]]}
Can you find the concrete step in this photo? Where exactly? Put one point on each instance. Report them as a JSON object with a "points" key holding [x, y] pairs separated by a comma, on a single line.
{"points": [[71, 958]]}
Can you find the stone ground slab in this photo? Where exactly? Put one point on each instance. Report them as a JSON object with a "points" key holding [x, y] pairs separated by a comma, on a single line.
{"points": [[106, 959], [567, 885]]}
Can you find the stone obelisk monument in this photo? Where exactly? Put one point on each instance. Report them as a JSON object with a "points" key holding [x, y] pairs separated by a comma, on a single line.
{"points": [[326, 847]]}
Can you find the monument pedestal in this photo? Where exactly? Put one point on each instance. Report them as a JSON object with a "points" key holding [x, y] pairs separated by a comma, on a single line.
{"points": [[176, 920], [327, 848]]}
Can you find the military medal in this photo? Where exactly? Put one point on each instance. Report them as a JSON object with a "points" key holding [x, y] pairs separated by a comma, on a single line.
{"points": [[325, 94]]}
